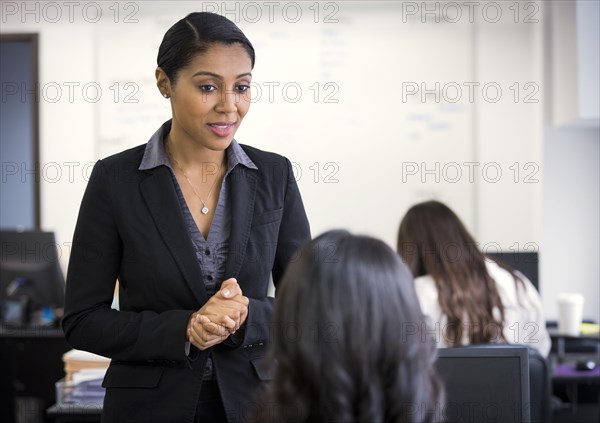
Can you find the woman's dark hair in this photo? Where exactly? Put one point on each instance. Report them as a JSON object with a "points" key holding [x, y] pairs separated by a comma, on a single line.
{"points": [[349, 341], [194, 34], [433, 241]]}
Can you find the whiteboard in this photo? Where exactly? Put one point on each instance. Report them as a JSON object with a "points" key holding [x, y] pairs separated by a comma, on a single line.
{"points": [[363, 150]]}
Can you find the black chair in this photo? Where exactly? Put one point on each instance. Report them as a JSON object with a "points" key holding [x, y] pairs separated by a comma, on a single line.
{"points": [[540, 388]]}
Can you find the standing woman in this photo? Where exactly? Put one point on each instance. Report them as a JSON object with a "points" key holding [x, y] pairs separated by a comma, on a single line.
{"points": [[468, 298], [193, 225]]}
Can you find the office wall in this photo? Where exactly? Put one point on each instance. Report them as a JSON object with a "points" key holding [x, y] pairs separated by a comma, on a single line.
{"points": [[571, 206], [396, 105], [571, 140], [357, 134]]}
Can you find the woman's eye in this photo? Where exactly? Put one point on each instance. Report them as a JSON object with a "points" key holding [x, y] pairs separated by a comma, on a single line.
{"points": [[243, 88], [207, 88]]}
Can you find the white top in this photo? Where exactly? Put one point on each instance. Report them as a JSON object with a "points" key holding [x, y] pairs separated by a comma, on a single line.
{"points": [[524, 319]]}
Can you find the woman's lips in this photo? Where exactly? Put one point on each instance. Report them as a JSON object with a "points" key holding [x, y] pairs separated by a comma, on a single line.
{"points": [[222, 129]]}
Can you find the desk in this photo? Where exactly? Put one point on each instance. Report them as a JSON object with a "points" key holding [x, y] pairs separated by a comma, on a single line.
{"points": [[578, 344], [75, 413], [30, 364], [581, 389], [568, 373]]}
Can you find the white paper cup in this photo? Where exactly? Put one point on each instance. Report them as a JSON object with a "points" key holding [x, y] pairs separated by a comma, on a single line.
{"points": [[570, 313]]}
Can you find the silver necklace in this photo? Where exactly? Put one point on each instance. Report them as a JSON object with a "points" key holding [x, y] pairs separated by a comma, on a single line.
{"points": [[204, 209]]}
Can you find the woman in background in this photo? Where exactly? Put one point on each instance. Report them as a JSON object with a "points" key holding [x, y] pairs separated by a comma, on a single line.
{"points": [[193, 225], [469, 298], [347, 344]]}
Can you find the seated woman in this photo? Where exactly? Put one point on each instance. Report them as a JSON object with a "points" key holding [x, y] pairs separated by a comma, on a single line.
{"points": [[347, 342], [468, 298]]}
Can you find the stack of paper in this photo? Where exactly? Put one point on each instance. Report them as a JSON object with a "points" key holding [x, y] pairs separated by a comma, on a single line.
{"points": [[83, 380], [76, 360]]}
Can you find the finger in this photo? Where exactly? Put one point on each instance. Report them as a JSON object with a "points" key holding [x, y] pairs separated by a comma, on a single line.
{"points": [[243, 317], [201, 318], [230, 288], [204, 344], [200, 335], [214, 328], [241, 305], [231, 324], [232, 319], [241, 299], [227, 321], [230, 281], [202, 327]]}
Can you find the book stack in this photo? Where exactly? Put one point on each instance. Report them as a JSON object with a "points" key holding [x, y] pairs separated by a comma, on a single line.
{"points": [[82, 384], [76, 361]]}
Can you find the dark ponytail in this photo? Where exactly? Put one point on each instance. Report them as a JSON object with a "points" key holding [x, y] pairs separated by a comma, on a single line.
{"points": [[193, 35]]}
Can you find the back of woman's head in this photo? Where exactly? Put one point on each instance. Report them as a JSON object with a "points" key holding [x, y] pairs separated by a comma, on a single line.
{"points": [[432, 236], [433, 241], [348, 342], [193, 35]]}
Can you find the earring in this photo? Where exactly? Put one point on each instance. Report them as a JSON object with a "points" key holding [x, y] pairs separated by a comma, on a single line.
{"points": [[165, 95]]}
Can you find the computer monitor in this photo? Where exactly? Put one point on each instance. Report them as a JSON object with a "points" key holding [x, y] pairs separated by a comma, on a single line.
{"points": [[30, 268], [526, 262], [484, 384]]}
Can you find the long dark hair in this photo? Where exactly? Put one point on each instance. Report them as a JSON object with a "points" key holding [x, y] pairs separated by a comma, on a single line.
{"points": [[348, 344], [193, 35], [433, 241]]}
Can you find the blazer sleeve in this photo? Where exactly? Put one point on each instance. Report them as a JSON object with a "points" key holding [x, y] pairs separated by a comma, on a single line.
{"points": [[89, 322], [294, 231]]}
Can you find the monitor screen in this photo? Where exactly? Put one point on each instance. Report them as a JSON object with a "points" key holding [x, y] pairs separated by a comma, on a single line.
{"points": [[525, 262], [485, 384], [29, 267]]}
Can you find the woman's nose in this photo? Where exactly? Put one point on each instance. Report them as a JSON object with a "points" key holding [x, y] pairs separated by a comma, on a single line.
{"points": [[228, 102]]}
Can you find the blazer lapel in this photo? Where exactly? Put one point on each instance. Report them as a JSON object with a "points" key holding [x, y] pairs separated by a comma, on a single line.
{"points": [[161, 199], [242, 195]]}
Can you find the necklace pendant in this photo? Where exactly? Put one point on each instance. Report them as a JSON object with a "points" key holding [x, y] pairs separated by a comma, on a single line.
{"points": [[204, 210]]}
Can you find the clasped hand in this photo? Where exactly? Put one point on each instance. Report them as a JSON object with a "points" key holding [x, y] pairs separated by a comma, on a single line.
{"points": [[221, 316]]}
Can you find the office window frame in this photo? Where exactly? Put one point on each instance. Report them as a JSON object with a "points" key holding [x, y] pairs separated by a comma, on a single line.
{"points": [[33, 39]]}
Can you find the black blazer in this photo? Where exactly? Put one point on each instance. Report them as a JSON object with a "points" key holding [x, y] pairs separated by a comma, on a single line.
{"points": [[130, 227]]}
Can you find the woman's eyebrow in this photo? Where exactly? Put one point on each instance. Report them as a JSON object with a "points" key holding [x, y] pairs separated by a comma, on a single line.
{"points": [[215, 75]]}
